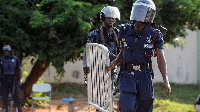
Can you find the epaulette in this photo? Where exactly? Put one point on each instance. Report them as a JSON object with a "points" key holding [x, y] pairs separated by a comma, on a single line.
{"points": [[162, 29], [123, 27]]}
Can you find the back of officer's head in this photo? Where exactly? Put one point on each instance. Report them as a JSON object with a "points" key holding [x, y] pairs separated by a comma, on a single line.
{"points": [[109, 11], [143, 10]]}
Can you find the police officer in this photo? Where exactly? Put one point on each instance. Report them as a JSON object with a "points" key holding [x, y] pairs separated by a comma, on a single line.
{"points": [[10, 70], [106, 35], [140, 42]]}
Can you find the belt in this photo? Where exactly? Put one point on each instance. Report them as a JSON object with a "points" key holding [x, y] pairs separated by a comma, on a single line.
{"points": [[135, 67]]}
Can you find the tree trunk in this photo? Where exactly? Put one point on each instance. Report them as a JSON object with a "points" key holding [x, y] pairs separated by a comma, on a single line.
{"points": [[38, 69]]}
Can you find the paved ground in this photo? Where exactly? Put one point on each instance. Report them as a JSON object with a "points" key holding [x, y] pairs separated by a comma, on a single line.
{"points": [[57, 106]]}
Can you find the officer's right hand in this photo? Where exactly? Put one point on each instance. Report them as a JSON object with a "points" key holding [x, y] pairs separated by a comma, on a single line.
{"points": [[108, 68], [167, 88], [86, 70]]}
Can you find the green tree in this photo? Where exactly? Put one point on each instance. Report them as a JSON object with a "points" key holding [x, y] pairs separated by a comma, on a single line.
{"points": [[54, 31], [177, 16]]}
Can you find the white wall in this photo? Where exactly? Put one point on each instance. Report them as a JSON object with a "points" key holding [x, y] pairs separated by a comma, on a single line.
{"points": [[182, 65], [182, 62], [73, 73]]}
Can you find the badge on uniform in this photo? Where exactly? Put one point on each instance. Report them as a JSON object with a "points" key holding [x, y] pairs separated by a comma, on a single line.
{"points": [[148, 46], [132, 73], [124, 41], [149, 39], [13, 60]]}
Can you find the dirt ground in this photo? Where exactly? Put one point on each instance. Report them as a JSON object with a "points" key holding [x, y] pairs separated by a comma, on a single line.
{"points": [[80, 105]]}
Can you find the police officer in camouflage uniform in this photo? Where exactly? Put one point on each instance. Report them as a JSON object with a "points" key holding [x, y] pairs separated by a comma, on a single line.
{"points": [[106, 35], [140, 42], [11, 75]]}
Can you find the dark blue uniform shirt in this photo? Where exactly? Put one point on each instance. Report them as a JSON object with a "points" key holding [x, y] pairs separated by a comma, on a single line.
{"points": [[137, 45]]}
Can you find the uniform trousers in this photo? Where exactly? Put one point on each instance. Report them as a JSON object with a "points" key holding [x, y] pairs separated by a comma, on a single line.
{"points": [[136, 91]]}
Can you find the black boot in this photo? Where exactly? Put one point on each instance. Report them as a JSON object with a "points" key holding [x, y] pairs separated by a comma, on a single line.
{"points": [[19, 109]]}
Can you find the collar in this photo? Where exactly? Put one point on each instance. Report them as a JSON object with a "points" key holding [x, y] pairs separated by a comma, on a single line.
{"points": [[143, 33], [130, 30], [105, 32]]}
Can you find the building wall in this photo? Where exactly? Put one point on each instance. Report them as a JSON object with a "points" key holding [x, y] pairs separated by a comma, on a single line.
{"points": [[182, 65], [182, 62]]}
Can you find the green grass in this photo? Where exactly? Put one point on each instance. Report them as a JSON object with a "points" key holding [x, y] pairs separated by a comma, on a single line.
{"points": [[69, 90], [181, 99], [172, 106]]}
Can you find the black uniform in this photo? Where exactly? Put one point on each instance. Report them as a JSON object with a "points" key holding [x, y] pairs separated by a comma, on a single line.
{"points": [[109, 39], [10, 67]]}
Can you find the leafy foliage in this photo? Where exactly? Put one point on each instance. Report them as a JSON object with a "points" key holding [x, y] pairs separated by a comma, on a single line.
{"points": [[55, 30], [63, 26], [177, 16]]}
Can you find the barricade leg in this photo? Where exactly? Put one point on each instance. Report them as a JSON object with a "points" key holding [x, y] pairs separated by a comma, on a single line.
{"points": [[71, 106]]}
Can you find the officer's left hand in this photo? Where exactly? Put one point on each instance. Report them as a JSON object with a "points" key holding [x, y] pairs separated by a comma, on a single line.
{"points": [[167, 88]]}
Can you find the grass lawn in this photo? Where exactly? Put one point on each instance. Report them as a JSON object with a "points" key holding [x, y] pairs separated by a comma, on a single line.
{"points": [[182, 98]]}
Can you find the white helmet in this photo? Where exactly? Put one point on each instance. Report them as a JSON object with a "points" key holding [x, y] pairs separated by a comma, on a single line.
{"points": [[6, 48], [143, 10], [110, 11]]}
